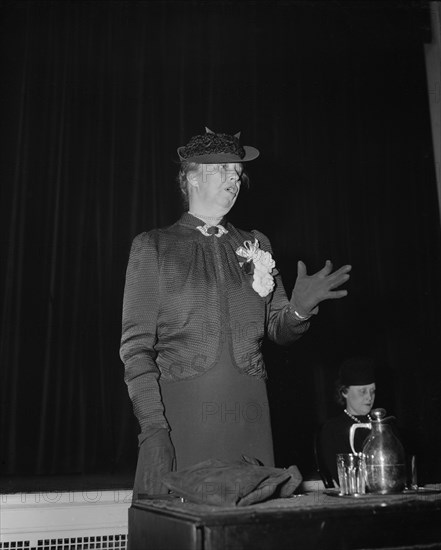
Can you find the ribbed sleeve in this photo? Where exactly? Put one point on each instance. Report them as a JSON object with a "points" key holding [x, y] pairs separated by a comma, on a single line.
{"points": [[140, 313], [283, 327]]}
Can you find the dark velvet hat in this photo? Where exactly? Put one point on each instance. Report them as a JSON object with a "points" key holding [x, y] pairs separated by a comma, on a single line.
{"points": [[212, 148], [357, 371]]}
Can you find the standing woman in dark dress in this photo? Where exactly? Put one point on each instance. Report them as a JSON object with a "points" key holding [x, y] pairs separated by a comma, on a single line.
{"points": [[199, 298], [355, 391]]}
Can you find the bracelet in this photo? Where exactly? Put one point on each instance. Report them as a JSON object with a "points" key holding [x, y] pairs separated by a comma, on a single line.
{"points": [[300, 317]]}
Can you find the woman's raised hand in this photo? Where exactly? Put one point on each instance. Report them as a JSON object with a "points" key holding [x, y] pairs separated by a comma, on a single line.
{"points": [[310, 290]]}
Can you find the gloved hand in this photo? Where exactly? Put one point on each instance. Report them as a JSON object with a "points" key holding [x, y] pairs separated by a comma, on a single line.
{"points": [[156, 457]]}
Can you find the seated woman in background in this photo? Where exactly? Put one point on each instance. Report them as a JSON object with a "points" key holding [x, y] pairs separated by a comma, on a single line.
{"points": [[355, 391]]}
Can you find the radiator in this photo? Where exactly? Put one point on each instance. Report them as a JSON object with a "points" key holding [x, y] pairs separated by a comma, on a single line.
{"points": [[78, 520]]}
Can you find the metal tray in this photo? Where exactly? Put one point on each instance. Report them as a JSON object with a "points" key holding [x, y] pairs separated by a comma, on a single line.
{"points": [[419, 491]]}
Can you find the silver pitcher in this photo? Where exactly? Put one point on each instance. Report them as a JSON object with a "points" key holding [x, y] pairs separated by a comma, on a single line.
{"points": [[384, 455]]}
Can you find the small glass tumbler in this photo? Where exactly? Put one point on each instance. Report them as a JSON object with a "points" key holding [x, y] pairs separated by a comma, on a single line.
{"points": [[351, 473]]}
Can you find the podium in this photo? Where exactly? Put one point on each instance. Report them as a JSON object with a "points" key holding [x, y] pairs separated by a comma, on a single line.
{"points": [[319, 520]]}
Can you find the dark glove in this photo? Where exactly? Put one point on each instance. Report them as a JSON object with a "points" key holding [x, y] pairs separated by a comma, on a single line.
{"points": [[156, 457]]}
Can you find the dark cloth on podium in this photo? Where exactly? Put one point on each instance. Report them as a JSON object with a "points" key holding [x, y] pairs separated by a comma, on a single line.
{"points": [[241, 483]]}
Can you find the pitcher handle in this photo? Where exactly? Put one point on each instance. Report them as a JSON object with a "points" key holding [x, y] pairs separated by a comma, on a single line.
{"points": [[367, 425]]}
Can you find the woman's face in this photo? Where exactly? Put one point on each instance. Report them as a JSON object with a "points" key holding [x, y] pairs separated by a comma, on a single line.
{"points": [[215, 187], [360, 399]]}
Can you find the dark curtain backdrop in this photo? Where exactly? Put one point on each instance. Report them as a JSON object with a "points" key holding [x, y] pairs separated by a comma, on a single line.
{"points": [[97, 96]]}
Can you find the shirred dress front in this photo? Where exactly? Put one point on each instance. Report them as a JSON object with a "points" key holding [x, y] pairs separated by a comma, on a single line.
{"points": [[193, 327]]}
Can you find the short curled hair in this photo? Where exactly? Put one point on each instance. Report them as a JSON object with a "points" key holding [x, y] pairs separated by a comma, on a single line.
{"points": [[185, 169], [340, 389], [189, 167]]}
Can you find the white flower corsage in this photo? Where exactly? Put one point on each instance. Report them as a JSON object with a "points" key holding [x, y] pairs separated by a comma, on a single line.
{"points": [[263, 264]]}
